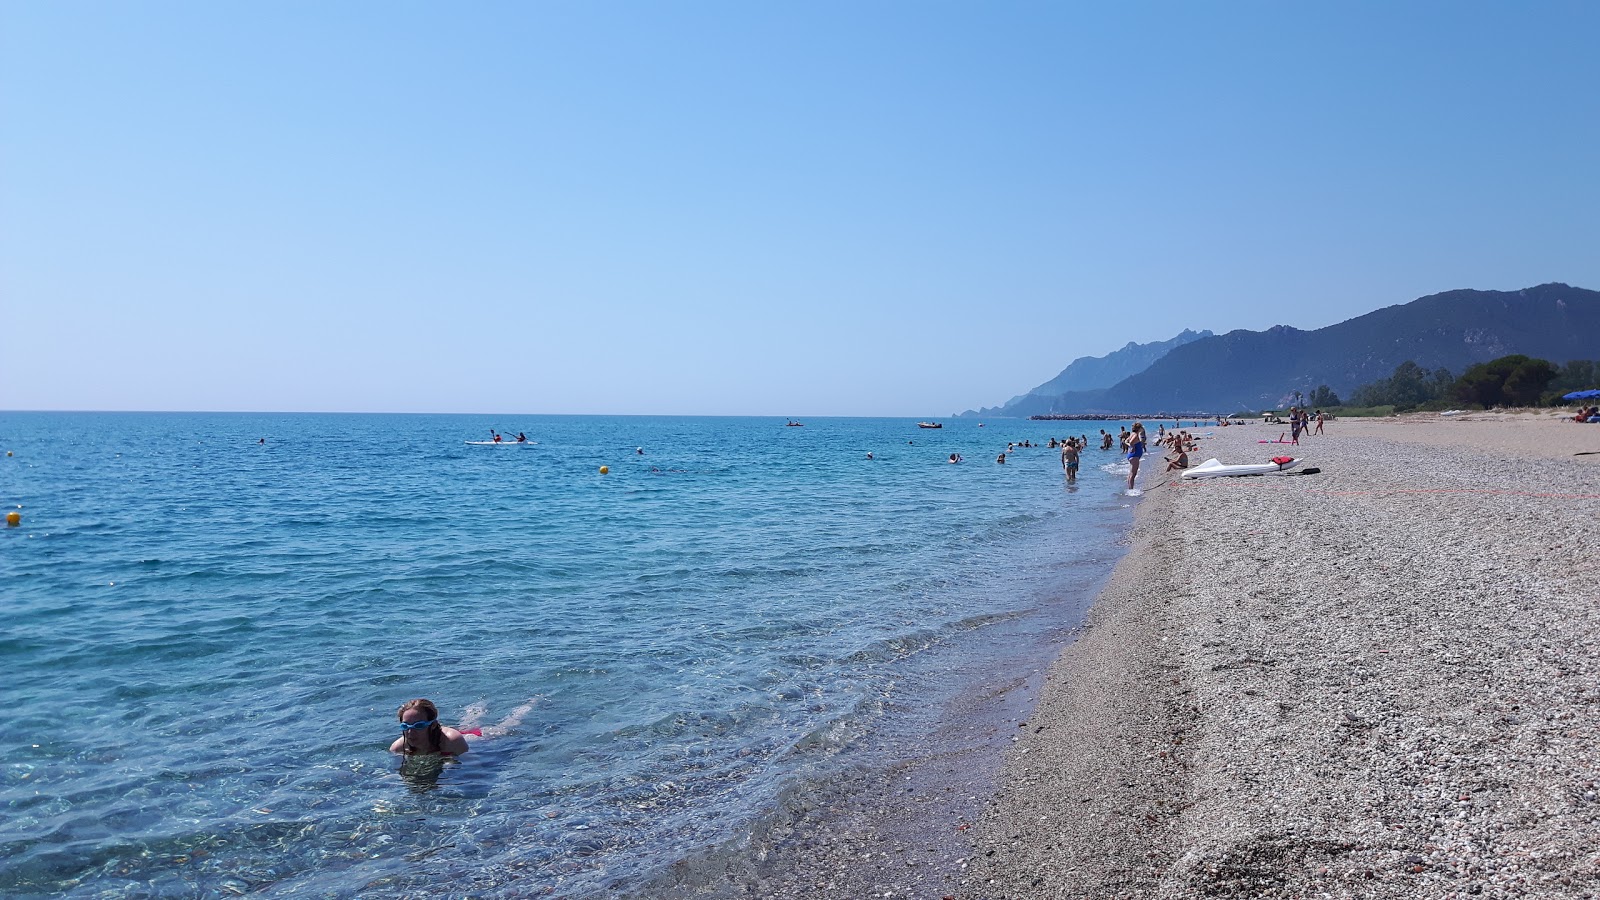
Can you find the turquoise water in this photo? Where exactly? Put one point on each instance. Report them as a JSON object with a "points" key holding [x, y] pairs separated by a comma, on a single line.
{"points": [[206, 637]]}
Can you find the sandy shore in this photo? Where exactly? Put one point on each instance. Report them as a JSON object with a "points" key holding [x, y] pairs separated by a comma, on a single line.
{"points": [[1381, 680]]}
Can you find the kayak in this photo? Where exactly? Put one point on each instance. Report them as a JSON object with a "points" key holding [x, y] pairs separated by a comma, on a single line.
{"points": [[501, 443], [1214, 468]]}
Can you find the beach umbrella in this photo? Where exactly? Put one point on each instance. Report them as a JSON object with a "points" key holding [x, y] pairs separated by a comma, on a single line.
{"points": [[1582, 395]]}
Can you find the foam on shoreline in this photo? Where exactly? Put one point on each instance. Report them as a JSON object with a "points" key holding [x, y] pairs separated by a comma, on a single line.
{"points": [[1381, 680]]}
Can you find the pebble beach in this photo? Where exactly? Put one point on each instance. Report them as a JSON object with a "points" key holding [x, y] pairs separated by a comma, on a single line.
{"points": [[1378, 680]]}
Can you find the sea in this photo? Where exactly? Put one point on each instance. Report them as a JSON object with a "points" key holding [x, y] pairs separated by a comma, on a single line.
{"points": [[669, 627]]}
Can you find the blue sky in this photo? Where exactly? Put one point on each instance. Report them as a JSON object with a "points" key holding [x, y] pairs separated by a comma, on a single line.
{"points": [[887, 208]]}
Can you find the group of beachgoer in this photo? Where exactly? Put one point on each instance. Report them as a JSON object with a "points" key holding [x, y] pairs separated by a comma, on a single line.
{"points": [[1179, 443], [1300, 420], [1588, 414], [1132, 443]]}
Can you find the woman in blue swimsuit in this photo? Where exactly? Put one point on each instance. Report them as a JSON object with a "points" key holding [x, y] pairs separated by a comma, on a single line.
{"points": [[1135, 452]]}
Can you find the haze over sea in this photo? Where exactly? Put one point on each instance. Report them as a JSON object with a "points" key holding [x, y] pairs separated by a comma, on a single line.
{"points": [[207, 637]]}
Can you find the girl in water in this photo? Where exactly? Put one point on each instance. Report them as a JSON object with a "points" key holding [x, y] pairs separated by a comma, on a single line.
{"points": [[421, 733]]}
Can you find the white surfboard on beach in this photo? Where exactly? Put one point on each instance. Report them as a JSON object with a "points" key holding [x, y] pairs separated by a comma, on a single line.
{"points": [[1215, 468]]}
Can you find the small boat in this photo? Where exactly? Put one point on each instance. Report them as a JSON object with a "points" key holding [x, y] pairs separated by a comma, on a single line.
{"points": [[1214, 468], [930, 425], [501, 443], [793, 424]]}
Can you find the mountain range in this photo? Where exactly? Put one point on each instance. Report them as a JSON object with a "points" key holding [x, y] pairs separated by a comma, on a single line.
{"points": [[1252, 370], [1088, 374]]}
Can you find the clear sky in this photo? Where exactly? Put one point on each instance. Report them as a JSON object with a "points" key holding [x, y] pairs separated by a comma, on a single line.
{"points": [[788, 209]]}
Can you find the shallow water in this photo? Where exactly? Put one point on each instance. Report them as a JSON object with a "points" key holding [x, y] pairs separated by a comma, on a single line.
{"points": [[206, 636]]}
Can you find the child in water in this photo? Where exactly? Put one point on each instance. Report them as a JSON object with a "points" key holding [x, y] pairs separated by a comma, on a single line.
{"points": [[421, 733]]}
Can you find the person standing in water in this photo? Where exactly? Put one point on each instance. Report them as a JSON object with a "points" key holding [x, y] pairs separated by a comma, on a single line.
{"points": [[1069, 459], [1135, 452]]}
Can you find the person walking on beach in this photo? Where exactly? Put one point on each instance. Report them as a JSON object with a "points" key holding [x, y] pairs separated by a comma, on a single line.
{"points": [[1135, 452], [1319, 422], [1069, 459]]}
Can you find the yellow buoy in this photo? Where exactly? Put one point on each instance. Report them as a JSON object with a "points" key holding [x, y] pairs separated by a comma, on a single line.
{"points": [[604, 469], [13, 519]]}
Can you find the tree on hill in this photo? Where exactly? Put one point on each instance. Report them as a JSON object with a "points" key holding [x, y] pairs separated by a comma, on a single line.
{"points": [[1323, 396], [1409, 387], [1576, 375], [1514, 380]]}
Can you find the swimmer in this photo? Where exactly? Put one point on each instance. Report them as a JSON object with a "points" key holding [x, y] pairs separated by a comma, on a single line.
{"points": [[639, 450], [1001, 459], [869, 454], [955, 458], [420, 732]]}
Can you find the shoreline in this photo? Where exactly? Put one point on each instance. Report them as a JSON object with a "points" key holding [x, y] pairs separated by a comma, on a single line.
{"points": [[894, 819], [1381, 680]]}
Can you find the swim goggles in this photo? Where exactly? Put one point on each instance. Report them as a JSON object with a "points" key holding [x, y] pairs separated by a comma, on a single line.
{"points": [[413, 726]]}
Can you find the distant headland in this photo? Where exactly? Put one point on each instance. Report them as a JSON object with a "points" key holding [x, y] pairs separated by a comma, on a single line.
{"points": [[1244, 371]]}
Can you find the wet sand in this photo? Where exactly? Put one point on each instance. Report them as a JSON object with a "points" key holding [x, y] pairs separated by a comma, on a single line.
{"points": [[1381, 680]]}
